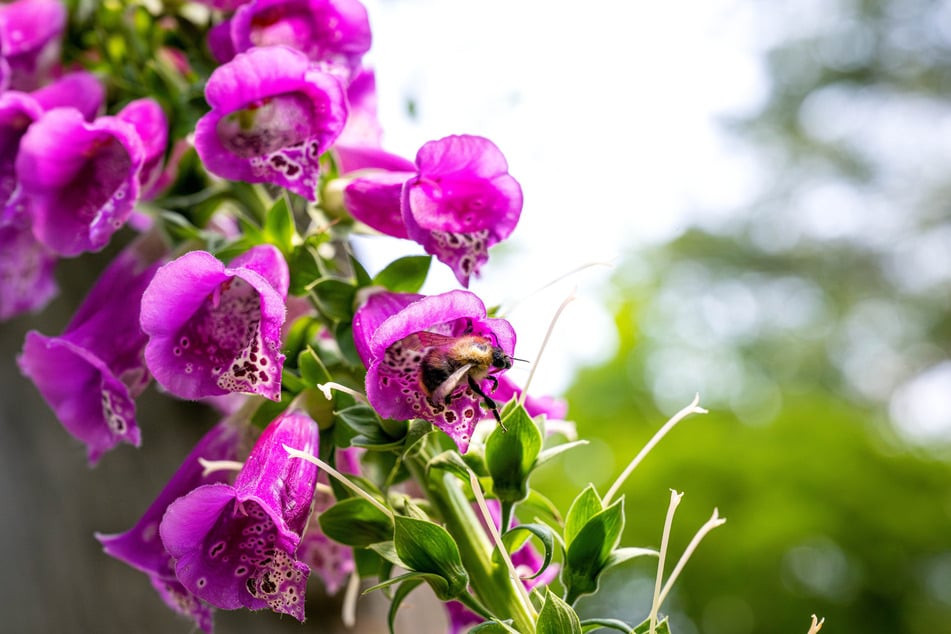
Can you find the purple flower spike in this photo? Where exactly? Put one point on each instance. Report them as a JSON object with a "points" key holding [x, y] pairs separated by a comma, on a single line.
{"points": [[334, 34], [91, 374], [141, 547], [462, 202], [423, 360], [30, 31], [149, 121], [214, 329], [81, 179], [235, 546], [271, 118]]}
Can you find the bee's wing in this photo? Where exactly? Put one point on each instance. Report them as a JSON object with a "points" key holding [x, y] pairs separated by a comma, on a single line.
{"points": [[447, 386], [428, 339]]}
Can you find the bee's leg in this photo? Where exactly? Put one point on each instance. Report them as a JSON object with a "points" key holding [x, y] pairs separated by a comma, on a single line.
{"points": [[494, 380], [492, 405]]}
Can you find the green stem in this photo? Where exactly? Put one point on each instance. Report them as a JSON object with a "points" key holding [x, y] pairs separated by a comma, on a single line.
{"points": [[490, 580]]}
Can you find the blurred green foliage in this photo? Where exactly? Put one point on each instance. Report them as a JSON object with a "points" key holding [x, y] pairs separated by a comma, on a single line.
{"points": [[803, 319]]}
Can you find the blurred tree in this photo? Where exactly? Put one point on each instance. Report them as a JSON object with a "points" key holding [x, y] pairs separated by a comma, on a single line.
{"points": [[815, 322]]}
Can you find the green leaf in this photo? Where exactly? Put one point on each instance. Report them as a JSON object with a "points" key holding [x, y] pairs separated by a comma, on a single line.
{"points": [[510, 455], [662, 627], [356, 522], [334, 298], [304, 265], [279, 227], [612, 624], [494, 627], [557, 617], [428, 548], [452, 462], [360, 273], [405, 275], [312, 369], [590, 550], [343, 334], [387, 550], [542, 532], [584, 507], [401, 593], [366, 424]]}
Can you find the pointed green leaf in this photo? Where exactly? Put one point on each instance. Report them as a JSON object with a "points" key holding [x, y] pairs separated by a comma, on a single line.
{"points": [[360, 273], [584, 507], [662, 627], [405, 275], [401, 593], [510, 455], [544, 534], [387, 550], [494, 627], [590, 550], [312, 369], [334, 298], [452, 462], [356, 522], [279, 227], [343, 334], [429, 548], [557, 617], [588, 625]]}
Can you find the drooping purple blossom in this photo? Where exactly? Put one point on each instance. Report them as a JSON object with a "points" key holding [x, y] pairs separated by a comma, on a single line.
{"points": [[141, 546], [79, 89], [26, 271], [399, 336], [30, 32], [333, 34], [363, 127], [80, 179], [458, 201], [91, 374], [214, 329], [272, 116], [151, 124], [236, 546]]}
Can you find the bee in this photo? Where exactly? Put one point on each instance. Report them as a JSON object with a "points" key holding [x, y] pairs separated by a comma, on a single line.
{"points": [[451, 360]]}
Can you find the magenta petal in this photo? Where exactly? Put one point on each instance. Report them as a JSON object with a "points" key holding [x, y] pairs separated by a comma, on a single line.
{"points": [[30, 32], [214, 330], [363, 127], [81, 90], [81, 178], [151, 124], [377, 308], [27, 283], [374, 200], [271, 118]]}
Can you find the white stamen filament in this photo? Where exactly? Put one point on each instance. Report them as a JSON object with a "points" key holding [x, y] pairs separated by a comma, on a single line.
{"points": [[538, 357], [662, 557], [561, 277], [816, 625], [342, 479], [327, 389], [497, 538], [676, 418], [211, 466], [348, 613], [714, 521]]}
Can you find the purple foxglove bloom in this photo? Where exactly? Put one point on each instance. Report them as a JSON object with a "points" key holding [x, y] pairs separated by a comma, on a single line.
{"points": [[81, 179], [80, 90], [271, 118], [425, 359], [30, 33], [334, 34], [363, 127], [332, 562], [141, 546], [149, 121], [91, 374], [457, 201], [214, 329], [236, 546], [26, 271]]}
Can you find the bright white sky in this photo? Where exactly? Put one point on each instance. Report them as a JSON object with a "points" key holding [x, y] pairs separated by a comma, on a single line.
{"points": [[605, 111]]}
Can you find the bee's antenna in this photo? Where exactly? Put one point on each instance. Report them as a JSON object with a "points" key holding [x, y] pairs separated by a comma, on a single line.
{"points": [[522, 360]]}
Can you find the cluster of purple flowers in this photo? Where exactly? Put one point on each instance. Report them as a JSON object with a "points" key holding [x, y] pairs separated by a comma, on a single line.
{"points": [[289, 96]]}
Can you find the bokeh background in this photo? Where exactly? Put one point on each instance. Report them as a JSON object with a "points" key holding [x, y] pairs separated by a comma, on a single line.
{"points": [[770, 181]]}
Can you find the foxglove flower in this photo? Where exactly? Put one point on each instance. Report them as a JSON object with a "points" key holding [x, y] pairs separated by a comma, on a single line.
{"points": [[30, 32], [91, 374], [459, 201], [363, 127], [151, 124], [81, 180], [271, 118], [415, 349], [141, 547], [333, 34], [236, 546], [214, 329]]}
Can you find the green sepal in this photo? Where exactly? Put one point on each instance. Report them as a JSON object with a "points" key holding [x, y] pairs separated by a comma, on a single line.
{"points": [[590, 550], [662, 627], [588, 625], [452, 462], [557, 617], [334, 298], [428, 548], [585, 506], [343, 335], [312, 369], [401, 593], [494, 627], [304, 264], [405, 275], [359, 273], [279, 228], [513, 540], [356, 522], [369, 564], [368, 428], [510, 454]]}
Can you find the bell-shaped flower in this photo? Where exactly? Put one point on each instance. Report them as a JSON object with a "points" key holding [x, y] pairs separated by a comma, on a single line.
{"points": [[30, 32], [215, 329], [151, 124], [91, 374], [236, 546], [141, 546], [333, 34], [80, 179], [272, 116], [436, 358], [363, 127], [457, 201], [26, 271]]}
